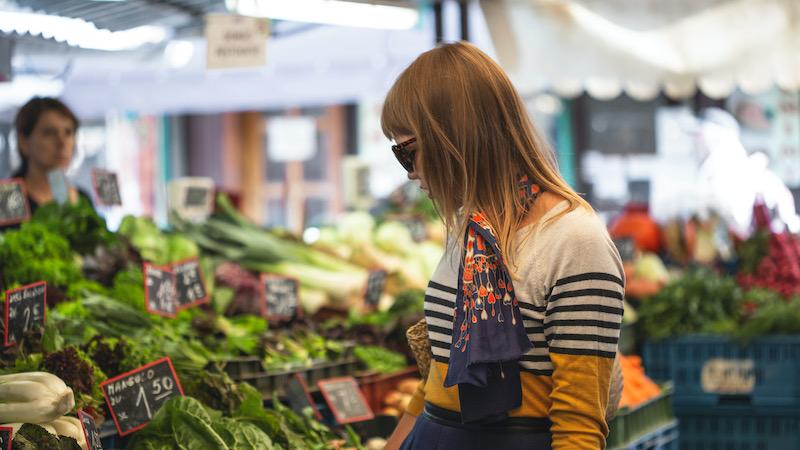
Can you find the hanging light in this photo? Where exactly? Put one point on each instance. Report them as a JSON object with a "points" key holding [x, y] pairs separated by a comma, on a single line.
{"points": [[330, 12]]}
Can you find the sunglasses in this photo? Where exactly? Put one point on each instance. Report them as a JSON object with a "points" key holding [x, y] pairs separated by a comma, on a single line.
{"points": [[405, 155]]}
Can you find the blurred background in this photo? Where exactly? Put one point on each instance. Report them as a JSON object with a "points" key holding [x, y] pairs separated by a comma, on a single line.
{"points": [[678, 120]]}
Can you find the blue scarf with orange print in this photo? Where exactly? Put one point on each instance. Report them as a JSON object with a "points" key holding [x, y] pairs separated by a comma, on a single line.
{"points": [[488, 332]]}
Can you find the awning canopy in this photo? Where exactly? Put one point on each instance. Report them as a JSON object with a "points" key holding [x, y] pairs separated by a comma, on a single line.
{"points": [[644, 47]]}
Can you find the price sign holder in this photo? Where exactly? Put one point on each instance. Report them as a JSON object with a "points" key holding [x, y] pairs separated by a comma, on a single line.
{"points": [[25, 310], [90, 431], [376, 282], [14, 206], [299, 397], [106, 187], [189, 283], [134, 397], [6, 436], [345, 399], [280, 297], [160, 294], [192, 198]]}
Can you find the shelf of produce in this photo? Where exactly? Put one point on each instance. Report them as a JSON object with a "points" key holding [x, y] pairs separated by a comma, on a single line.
{"points": [[770, 365], [273, 380], [239, 368], [631, 425], [738, 427]]}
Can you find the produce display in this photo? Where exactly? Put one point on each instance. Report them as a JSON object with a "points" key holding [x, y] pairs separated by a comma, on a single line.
{"points": [[637, 388], [97, 327]]}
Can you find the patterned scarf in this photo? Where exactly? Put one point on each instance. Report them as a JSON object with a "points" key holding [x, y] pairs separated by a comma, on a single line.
{"points": [[488, 332]]}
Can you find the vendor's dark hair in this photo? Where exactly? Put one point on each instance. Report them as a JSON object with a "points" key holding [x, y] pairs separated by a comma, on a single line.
{"points": [[27, 117]]}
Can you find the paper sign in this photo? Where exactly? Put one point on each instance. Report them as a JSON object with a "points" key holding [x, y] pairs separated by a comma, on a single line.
{"points": [[25, 310], [6, 436], [160, 294], [59, 186], [90, 432], [191, 289], [376, 282], [106, 187], [14, 207], [134, 397], [345, 400], [728, 376], [279, 296], [298, 396], [236, 41]]}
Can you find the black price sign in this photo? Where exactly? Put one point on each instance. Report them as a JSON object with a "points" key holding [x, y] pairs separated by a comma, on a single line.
{"points": [[298, 396], [345, 400], [90, 432], [6, 436], [106, 187], [14, 207], [626, 248], [134, 397], [25, 310], [376, 282], [196, 196], [279, 296], [191, 289], [417, 227], [160, 295]]}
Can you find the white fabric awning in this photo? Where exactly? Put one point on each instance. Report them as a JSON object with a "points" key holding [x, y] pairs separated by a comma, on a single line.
{"points": [[643, 47]]}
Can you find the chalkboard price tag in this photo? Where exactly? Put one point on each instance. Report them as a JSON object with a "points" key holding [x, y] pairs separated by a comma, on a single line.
{"points": [[299, 397], [160, 294], [6, 436], [196, 196], [14, 207], [106, 187], [626, 248], [280, 296], [134, 397], [345, 399], [191, 288], [25, 310], [90, 432], [376, 282]]}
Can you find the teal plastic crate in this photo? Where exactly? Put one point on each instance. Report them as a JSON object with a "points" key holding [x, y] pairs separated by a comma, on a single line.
{"points": [[738, 428], [662, 438], [630, 425], [775, 368]]}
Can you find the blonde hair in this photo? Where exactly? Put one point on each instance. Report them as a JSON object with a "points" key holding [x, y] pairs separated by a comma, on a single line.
{"points": [[475, 137]]}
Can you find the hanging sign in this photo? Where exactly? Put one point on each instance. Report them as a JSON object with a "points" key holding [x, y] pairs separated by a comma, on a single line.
{"points": [[14, 207], [191, 289], [236, 41], [134, 397], [280, 297], [90, 432], [160, 294], [106, 187], [25, 310], [376, 282], [345, 399]]}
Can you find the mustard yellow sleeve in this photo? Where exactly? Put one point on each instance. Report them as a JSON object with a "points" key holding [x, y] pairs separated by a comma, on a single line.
{"points": [[581, 326], [417, 401]]}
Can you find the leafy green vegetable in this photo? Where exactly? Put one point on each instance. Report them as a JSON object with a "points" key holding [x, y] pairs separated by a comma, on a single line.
{"points": [[699, 301], [34, 253], [380, 359], [77, 222]]}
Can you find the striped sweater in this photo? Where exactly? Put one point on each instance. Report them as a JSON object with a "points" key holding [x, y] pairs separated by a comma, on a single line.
{"points": [[570, 289]]}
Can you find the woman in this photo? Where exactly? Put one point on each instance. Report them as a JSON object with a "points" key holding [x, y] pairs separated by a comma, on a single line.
{"points": [[525, 308], [45, 129]]}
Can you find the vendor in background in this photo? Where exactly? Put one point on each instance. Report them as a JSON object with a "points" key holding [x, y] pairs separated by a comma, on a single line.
{"points": [[45, 129]]}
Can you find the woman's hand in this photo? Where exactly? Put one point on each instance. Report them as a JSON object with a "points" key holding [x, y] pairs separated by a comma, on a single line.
{"points": [[401, 432]]}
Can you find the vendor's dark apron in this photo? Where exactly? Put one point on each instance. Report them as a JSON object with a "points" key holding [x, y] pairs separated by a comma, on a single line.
{"points": [[441, 429]]}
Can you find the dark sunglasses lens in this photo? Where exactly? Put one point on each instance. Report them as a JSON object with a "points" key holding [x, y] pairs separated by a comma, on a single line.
{"points": [[407, 160]]}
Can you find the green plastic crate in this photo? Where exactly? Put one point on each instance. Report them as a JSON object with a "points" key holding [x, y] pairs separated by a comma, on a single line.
{"points": [[631, 424]]}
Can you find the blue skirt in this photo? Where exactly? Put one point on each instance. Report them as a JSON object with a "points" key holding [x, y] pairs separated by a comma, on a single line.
{"points": [[432, 434]]}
